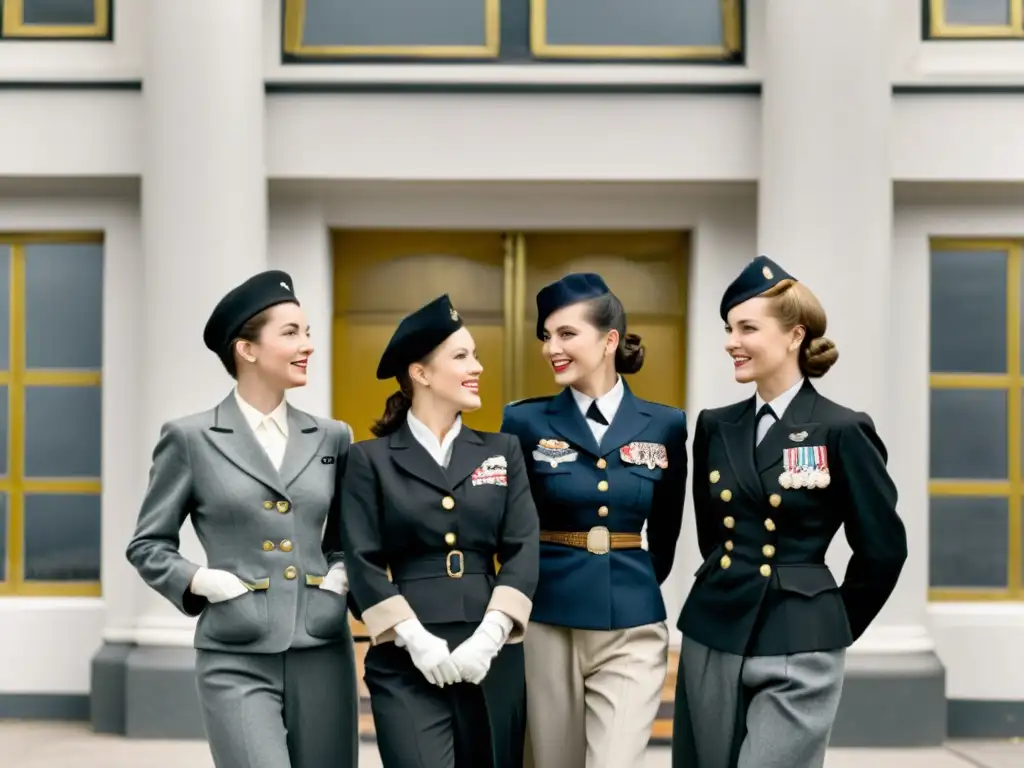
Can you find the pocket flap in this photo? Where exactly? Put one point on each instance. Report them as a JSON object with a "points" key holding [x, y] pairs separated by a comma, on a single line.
{"points": [[645, 472], [806, 580], [541, 467]]}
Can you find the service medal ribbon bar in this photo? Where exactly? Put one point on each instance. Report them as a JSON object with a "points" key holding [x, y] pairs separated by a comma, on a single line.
{"points": [[805, 467]]}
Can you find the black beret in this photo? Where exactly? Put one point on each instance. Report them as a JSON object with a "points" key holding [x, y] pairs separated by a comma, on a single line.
{"points": [[756, 278], [418, 335], [573, 288], [244, 302]]}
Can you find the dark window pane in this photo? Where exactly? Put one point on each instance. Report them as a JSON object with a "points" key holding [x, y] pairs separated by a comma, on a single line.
{"points": [[968, 312], [64, 305], [4, 432], [982, 13], [969, 434], [60, 12], [62, 537], [62, 431], [638, 22], [394, 22], [3, 537], [968, 540], [5, 307]]}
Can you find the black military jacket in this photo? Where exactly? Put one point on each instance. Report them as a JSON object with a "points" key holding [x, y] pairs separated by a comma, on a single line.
{"points": [[764, 588]]}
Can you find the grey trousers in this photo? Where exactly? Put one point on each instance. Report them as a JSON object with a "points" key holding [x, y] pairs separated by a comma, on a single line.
{"points": [[754, 712], [297, 709]]}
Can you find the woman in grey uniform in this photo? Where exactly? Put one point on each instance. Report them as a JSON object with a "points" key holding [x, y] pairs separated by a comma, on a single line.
{"points": [[766, 627], [427, 507], [259, 479]]}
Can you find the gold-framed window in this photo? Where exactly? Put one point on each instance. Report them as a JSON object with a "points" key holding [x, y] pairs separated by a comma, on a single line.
{"points": [[51, 295], [974, 19], [975, 488], [56, 20]]}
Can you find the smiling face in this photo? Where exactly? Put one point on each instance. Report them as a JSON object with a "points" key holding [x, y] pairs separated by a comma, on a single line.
{"points": [[452, 372], [281, 349], [576, 349], [761, 349]]}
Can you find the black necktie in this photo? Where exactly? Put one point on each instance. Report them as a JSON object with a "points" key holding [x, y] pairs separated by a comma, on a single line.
{"points": [[766, 410], [594, 414]]}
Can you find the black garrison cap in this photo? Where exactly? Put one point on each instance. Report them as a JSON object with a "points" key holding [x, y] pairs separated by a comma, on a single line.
{"points": [[578, 286], [756, 278], [418, 335], [243, 302]]}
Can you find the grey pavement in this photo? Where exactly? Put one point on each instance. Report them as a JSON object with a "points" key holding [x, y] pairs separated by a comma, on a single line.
{"points": [[33, 744]]}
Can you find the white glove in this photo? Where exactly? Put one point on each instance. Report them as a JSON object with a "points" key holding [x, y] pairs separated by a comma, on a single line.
{"points": [[474, 656], [217, 586], [336, 580], [429, 653]]}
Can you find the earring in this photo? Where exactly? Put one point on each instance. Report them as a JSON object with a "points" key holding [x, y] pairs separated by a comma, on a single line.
{"points": [[251, 359]]}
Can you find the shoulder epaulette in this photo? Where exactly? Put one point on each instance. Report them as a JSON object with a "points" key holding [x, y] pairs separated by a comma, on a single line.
{"points": [[540, 399]]}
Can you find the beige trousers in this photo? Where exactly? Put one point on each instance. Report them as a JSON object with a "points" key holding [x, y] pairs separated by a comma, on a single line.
{"points": [[592, 696]]}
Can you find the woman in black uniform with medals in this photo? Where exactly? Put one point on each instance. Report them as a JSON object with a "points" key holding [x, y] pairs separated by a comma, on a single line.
{"points": [[602, 462], [427, 507], [766, 627]]}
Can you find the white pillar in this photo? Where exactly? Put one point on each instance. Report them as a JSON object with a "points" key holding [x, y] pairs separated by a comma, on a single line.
{"points": [[825, 214], [204, 214]]}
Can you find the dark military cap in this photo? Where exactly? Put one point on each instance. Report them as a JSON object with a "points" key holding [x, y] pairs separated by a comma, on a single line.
{"points": [[756, 278], [573, 288], [418, 335], [243, 302]]}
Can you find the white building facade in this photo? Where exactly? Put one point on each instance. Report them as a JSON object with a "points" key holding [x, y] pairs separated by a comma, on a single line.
{"points": [[155, 153]]}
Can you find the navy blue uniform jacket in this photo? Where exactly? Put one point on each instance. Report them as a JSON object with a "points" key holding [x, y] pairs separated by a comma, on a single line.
{"points": [[619, 589]]}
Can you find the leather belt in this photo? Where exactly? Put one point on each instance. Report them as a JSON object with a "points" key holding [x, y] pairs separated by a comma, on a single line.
{"points": [[598, 540], [453, 564]]}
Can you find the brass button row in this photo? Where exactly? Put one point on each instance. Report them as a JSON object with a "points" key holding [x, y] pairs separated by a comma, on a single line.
{"points": [[291, 572], [729, 521], [601, 463], [715, 476], [602, 486], [726, 563], [282, 506], [448, 503], [286, 546], [726, 495], [602, 511], [449, 539]]}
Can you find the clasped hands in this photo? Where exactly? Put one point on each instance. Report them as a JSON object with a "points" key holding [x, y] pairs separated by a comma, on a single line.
{"points": [[217, 586], [469, 662]]}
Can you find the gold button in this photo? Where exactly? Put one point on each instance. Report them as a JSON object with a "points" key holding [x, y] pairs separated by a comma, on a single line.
{"points": [[282, 506], [715, 476], [449, 539], [601, 463], [286, 546], [603, 485], [267, 546], [268, 505], [775, 499], [729, 522], [725, 562], [291, 572], [766, 571], [768, 550], [728, 546], [769, 524], [448, 502], [726, 495], [603, 511]]}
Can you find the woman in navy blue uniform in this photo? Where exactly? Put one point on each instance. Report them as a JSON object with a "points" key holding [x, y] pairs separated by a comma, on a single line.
{"points": [[602, 463], [426, 508], [765, 626]]}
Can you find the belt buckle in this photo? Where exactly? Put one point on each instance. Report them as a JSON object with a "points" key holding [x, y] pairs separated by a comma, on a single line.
{"points": [[448, 564], [599, 541]]}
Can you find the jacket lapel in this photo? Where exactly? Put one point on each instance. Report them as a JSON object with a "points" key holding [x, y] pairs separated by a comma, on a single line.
{"points": [[795, 419], [233, 437], [738, 437], [568, 423], [304, 440], [630, 420], [413, 459], [468, 453]]}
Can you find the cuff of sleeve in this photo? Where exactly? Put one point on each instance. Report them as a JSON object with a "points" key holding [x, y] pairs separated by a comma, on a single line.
{"points": [[514, 604], [380, 619], [188, 602]]}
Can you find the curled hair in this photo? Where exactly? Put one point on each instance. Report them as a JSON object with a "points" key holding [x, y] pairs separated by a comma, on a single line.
{"points": [[605, 313], [792, 304], [396, 408], [250, 331]]}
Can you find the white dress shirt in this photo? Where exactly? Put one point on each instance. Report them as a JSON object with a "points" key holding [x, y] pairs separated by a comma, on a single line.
{"points": [[607, 403], [779, 405], [271, 429], [439, 450]]}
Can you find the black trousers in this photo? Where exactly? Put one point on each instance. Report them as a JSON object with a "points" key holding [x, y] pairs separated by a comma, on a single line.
{"points": [[420, 725]]}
